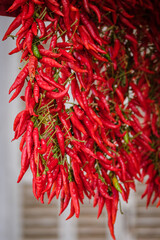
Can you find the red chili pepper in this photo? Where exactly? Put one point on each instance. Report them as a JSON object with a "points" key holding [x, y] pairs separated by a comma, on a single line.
{"points": [[108, 203], [65, 179], [76, 68], [43, 148], [42, 84], [38, 2], [54, 9], [50, 62], [56, 95], [29, 140], [28, 94], [59, 184], [40, 184], [101, 202], [90, 28], [103, 158], [79, 112], [15, 24], [16, 93], [49, 79], [103, 189], [95, 200], [60, 139], [26, 26], [74, 196], [24, 12], [16, 4], [36, 92], [20, 79], [75, 121], [24, 164], [72, 210], [34, 28], [72, 154], [86, 183], [23, 120], [22, 142], [24, 55], [66, 12], [42, 27], [53, 193], [123, 166], [48, 53], [52, 164], [118, 111], [36, 144], [53, 42], [96, 10], [126, 22], [30, 10]]}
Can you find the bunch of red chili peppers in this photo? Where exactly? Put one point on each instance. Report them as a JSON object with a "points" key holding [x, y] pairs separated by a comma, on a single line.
{"points": [[91, 123]]}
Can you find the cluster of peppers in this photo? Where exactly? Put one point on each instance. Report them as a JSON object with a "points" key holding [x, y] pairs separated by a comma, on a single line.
{"points": [[91, 125]]}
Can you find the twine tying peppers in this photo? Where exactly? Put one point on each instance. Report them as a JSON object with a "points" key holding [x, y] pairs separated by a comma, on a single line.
{"points": [[107, 54]]}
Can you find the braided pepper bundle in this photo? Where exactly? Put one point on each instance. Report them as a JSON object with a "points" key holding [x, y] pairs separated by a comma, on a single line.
{"points": [[104, 57]]}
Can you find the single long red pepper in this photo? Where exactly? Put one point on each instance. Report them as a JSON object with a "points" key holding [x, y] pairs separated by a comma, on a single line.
{"points": [[49, 79], [42, 84], [74, 196], [60, 139], [20, 79], [24, 163], [75, 121], [90, 28], [43, 148], [15, 24], [101, 202], [50, 62], [16, 93], [42, 27], [29, 140], [59, 184], [16, 4], [26, 26], [56, 95]]}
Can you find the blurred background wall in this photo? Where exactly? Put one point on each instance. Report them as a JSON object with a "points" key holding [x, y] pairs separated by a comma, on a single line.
{"points": [[22, 217]]}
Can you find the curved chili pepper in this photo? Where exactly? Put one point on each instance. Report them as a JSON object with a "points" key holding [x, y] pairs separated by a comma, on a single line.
{"points": [[48, 53], [72, 210], [43, 148], [50, 62], [43, 84], [74, 196], [108, 204], [49, 79], [101, 202], [36, 92], [16, 4], [56, 95], [90, 28], [20, 79], [29, 141], [73, 154], [32, 65], [15, 24], [59, 184], [26, 26], [17, 92], [24, 163], [60, 139], [103, 189]]}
